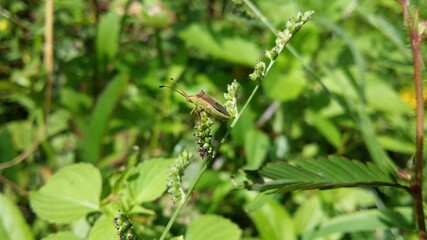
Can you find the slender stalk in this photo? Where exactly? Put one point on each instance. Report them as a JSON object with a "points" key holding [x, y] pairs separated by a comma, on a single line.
{"points": [[417, 182], [416, 185], [261, 16], [48, 55], [184, 200]]}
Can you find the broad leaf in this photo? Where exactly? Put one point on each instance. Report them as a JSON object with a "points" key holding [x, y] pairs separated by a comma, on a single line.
{"points": [[324, 173], [62, 236], [231, 48], [12, 223], [148, 181], [103, 229], [70, 194], [211, 227]]}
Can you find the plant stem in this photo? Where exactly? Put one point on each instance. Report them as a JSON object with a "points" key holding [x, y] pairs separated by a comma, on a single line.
{"points": [[260, 15], [184, 200], [416, 184]]}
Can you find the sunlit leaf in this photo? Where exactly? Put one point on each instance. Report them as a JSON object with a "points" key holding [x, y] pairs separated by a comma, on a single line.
{"points": [[211, 227], [12, 223], [70, 194]]}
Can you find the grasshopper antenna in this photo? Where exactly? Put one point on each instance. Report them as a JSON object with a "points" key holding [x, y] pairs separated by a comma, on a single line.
{"points": [[178, 90]]}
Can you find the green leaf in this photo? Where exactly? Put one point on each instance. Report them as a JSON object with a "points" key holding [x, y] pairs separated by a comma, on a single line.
{"points": [[390, 31], [148, 181], [103, 229], [107, 37], [367, 220], [70, 194], [308, 216], [259, 201], [332, 172], [212, 227], [21, 133], [396, 145], [12, 223], [230, 48], [273, 222], [284, 83], [256, 147], [62, 236], [325, 127], [94, 133], [383, 98]]}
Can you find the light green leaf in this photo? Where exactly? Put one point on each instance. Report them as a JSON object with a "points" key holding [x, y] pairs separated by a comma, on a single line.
{"points": [[103, 229], [234, 49], [308, 216], [148, 181], [325, 127], [107, 37], [70, 194], [284, 83], [383, 98], [273, 222], [94, 133], [62, 236], [259, 201], [20, 131], [256, 147], [368, 220], [396, 145], [12, 223], [212, 227]]}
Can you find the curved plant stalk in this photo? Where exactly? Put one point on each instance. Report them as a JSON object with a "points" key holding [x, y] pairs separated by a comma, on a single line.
{"points": [[283, 37]]}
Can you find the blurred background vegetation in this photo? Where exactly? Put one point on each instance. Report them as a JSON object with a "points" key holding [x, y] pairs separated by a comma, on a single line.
{"points": [[105, 107]]}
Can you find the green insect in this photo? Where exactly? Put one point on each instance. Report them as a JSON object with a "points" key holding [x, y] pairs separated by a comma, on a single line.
{"points": [[203, 101]]}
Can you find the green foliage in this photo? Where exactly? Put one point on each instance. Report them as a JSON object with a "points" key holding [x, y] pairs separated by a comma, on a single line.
{"points": [[212, 227], [13, 225], [72, 193], [330, 172], [342, 87]]}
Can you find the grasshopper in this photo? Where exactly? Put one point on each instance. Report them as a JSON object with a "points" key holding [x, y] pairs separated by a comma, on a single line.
{"points": [[205, 102]]}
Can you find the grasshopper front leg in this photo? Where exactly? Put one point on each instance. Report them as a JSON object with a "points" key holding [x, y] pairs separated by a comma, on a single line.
{"points": [[194, 111]]}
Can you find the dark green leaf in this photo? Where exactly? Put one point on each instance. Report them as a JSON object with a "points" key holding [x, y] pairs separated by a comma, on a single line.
{"points": [[329, 172]]}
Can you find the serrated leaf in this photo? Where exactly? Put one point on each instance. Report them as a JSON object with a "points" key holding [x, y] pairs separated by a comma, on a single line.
{"points": [[148, 181], [212, 227], [70, 194], [94, 133], [332, 172], [367, 220], [256, 146], [12, 223], [62, 236]]}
